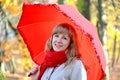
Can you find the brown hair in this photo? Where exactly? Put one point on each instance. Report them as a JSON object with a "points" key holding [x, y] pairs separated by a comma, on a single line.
{"points": [[72, 51]]}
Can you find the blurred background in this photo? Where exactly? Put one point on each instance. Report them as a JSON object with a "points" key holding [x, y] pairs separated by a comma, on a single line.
{"points": [[15, 60]]}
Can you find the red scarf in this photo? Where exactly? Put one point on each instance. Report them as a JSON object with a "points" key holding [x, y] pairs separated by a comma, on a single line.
{"points": [[52, 59]]}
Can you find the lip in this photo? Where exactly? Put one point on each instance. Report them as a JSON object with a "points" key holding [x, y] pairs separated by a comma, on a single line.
{"points": [[58, 46]]}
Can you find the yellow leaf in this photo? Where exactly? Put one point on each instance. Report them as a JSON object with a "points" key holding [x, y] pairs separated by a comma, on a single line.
{"points": [[5, 3]]}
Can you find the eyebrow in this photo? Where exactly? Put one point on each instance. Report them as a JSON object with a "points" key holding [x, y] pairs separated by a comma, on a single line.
{"points": [[65, 34]]}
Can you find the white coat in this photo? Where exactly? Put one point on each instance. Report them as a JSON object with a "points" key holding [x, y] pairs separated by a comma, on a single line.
{"points": [[74, 71]]}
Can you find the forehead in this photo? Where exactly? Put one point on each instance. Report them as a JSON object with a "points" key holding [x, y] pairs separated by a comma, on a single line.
{"points": [[61, 30], [63, 34]]}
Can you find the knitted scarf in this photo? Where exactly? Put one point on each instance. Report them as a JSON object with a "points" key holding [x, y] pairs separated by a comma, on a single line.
{"points": [[52, 59]]}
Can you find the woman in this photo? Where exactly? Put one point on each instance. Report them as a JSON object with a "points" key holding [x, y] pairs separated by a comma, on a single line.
{"points": [[62, 61]]}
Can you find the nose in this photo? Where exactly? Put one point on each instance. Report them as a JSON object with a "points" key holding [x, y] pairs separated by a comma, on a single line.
{"points": [[59, 40]]}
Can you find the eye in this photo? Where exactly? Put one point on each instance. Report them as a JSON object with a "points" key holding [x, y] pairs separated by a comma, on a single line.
{"points": [[65, 38], [56, 35]]}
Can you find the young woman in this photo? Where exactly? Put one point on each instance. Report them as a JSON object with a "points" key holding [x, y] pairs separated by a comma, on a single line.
{"points": [[62, 61]]}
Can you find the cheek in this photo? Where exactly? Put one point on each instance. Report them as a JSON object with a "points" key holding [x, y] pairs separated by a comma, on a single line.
{"points": [[53, 39], [67, 44]]}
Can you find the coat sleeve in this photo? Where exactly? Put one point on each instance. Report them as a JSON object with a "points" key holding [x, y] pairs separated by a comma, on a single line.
{"points": [[78, 72]]}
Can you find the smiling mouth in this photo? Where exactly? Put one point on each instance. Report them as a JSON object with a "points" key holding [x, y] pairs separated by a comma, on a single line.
{"points": [[58, 46]]}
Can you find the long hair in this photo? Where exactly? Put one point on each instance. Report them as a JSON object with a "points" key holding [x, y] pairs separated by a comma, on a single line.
{"points": [[72, 51]]}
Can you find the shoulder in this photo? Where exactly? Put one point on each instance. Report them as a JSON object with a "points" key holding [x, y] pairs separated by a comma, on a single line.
{"points": [[77, 62], [78, 70]]}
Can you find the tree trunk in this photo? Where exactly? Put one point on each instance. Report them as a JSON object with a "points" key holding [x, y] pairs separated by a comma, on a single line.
{"points": [[100, 23], [83, 7], [60, 2]]}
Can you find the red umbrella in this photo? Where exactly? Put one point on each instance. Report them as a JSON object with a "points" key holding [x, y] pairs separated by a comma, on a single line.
{"points": [[37, 22]]}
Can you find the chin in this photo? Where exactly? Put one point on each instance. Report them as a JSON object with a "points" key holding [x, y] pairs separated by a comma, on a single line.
{"points": [[57, 50]]}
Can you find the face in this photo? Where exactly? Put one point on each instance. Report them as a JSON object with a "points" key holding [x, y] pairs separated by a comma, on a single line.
{"points": [[60, 42]]}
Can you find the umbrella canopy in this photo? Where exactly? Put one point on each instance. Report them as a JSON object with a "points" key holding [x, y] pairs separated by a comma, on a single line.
{"points": [[37, 22]]}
